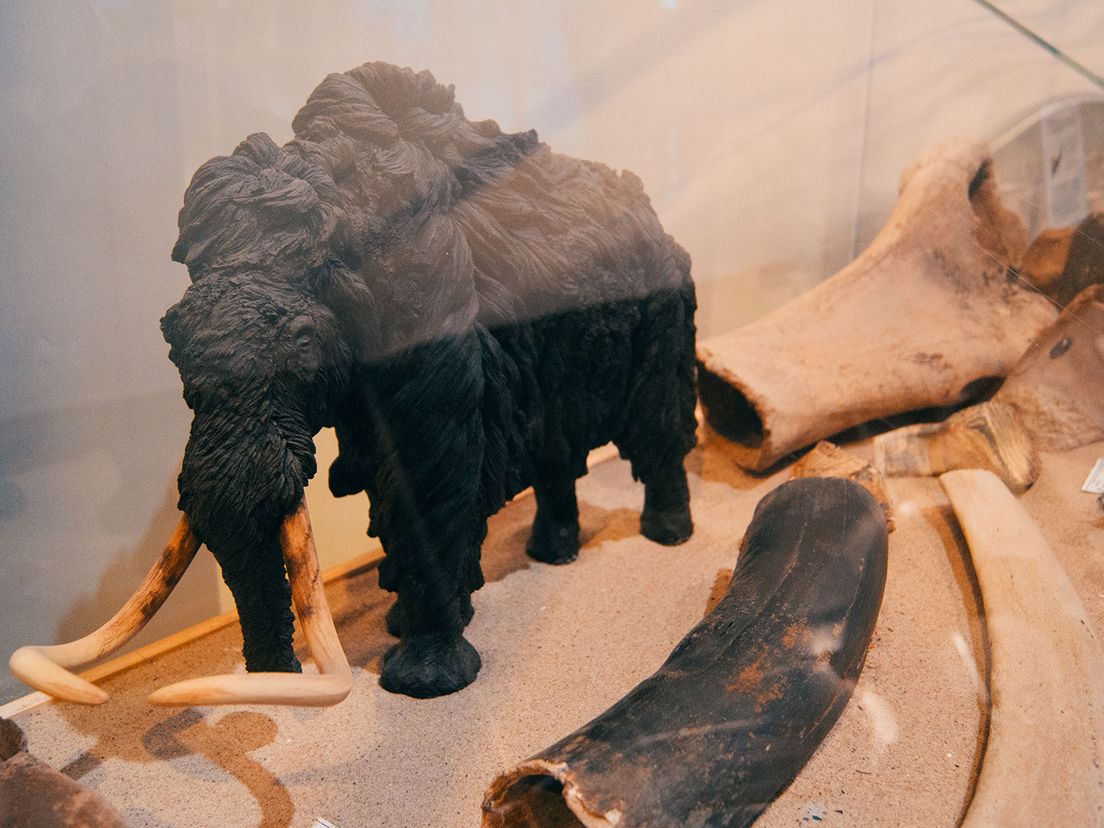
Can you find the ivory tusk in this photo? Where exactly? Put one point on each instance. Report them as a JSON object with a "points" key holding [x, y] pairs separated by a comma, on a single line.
{"points": [[1044, 761], [334, 680], [44, 667]]}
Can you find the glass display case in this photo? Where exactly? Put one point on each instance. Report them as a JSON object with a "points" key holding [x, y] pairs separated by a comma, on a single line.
{"points": [[789, 149]]}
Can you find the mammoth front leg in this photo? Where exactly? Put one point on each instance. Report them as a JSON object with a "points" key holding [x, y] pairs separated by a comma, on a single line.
{"points": [[666, 516], [425, 499]]}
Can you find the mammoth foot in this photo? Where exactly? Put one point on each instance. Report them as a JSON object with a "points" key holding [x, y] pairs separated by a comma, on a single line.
{"points": [[429, 665], [669, 528], [394, 620], [552, 542]]}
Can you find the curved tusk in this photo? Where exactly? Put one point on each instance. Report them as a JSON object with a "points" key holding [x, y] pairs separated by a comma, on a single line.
{"points": [[44, 667], [334, 680], [1044, 761]]}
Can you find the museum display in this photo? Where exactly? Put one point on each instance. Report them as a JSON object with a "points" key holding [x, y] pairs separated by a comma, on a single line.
{"points": [[745, 698], [1043, 760], [34, 795], [930, 314], [1052, 400], [471, 312]]}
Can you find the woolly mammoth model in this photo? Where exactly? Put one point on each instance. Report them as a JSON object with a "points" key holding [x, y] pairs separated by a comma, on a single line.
{"points": [[472, 312]]}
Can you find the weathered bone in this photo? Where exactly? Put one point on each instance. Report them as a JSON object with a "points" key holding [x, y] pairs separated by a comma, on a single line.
{"points": [[989, 435], [826, 459], [44, 667], [34, 795], [1044, 758], [743, 701], [1062, 263], [334, 680], [1052, 400], [922, 318]]}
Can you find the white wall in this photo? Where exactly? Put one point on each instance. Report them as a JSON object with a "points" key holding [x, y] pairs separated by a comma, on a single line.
{"points": [[770, 135]]}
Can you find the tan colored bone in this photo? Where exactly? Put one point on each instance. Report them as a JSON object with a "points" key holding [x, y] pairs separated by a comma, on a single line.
{"points": [[1044, 758], [1058, 385], [45, 667], [925, 313], [989, 435], [1053, 400]]}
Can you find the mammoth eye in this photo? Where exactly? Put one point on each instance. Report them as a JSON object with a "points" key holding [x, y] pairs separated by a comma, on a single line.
{"points": [[302, 331]]}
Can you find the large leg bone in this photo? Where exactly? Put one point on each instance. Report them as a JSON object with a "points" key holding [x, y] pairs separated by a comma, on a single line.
{"points": [[1052, 400], [44, 667], [1044, 760], [743, 701], [920, 319]]}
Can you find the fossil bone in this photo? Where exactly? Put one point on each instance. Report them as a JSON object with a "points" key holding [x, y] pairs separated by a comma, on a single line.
{"points": [[1044, 758], [34, 795], [923, 317], [45, 667], [744, 699], [1053, 400]]}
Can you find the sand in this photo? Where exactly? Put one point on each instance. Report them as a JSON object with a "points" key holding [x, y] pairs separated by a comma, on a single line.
{"points": [[559, 645]]}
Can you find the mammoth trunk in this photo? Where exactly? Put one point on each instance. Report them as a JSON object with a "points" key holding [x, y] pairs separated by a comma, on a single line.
{"points": [[242, 474]]}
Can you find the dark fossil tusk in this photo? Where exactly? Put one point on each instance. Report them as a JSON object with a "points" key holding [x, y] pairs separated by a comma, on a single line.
{"points": [[743, 701]]}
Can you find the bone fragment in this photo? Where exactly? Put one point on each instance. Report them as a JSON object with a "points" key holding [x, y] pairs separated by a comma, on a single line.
{"points": [[334, 679], [826, 459], [923, 317], [1057, 387], [989, 435], [1053, 400], [1044, 759], [1063, 262], [744, 699], [44, 667], [34, 795]]}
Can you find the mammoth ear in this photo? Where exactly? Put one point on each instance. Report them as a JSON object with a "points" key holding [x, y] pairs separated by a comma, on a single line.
{"points": [[352, 302]]}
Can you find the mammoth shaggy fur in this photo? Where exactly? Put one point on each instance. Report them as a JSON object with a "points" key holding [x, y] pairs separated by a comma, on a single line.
{"points": [[472, 312]]}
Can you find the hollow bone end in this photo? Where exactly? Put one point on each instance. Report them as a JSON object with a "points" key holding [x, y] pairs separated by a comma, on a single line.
{"points": [[540, 793]]}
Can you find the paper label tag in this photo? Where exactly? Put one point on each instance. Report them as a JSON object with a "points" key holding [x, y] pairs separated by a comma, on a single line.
{"points": [[1064, 166], [1095, 481]]}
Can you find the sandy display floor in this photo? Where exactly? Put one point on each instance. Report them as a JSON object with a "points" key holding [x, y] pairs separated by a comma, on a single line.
{"points": [[559, 645]]}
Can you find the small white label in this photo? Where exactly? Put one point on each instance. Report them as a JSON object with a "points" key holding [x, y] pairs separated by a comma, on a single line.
{"points": [[1095, 481], [1064, 166]]}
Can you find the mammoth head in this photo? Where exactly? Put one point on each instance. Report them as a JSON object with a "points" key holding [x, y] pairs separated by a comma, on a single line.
{"points": [[264, 365]]}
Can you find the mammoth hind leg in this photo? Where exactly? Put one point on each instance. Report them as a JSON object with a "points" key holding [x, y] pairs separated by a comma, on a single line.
{"points": [[259, 584], [666, 516], [555, 535]]}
